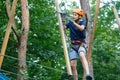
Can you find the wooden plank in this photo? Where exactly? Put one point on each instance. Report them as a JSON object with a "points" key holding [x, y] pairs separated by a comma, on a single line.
{"points": [[11, 19], [63, 39], [116, 16], [93, 31], [89, 54]]}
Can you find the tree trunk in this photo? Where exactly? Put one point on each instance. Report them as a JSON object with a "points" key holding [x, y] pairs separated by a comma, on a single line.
{"points": [[22, 67], [86, 8]]}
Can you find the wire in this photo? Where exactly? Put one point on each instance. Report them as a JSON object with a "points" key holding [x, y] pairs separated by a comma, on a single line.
{"points": [[35, 63], [30, 63], [10, 72]]}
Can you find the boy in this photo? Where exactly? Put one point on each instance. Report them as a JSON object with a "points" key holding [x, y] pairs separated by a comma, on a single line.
{"points": [[78, 35]]}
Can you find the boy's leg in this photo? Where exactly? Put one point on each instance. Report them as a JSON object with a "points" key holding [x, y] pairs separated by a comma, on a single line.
{"points": [[82, 53], [74, 70], [84, 62], [73, 60]]}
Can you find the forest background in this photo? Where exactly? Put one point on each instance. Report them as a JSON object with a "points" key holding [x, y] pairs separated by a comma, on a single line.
{"points": [[45, 58]]}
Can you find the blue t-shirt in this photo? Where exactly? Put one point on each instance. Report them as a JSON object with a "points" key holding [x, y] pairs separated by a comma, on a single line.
{"points": [[75, 33]]}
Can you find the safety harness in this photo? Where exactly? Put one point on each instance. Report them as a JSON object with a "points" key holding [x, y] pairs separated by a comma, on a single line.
{"points": [[76, 42]]}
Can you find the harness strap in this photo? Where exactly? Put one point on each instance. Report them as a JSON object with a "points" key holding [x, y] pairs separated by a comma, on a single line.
{"points": [[76, 49], [77, 42]]}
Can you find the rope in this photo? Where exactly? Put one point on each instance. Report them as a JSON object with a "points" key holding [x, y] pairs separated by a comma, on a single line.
{"points": [[29, 63], [34, 63], [9, 72], [21, 75]]}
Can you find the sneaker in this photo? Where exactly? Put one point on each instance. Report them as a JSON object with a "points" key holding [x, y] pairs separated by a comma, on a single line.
{"points": [[88, 77]]}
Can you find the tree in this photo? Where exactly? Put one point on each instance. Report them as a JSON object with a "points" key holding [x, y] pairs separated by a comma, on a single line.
{"points": [[22, 48], [86, 7], [105, 46], [44, 58]]}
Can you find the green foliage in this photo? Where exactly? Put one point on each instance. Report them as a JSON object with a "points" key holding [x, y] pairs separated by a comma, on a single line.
{"points": [[45, 58], [44, 43], [106, 46]]}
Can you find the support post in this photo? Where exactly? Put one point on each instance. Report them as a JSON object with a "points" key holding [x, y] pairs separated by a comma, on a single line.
{"points": [[93, 31], [89, 54], [63, 39], [116, 16], [11, 19]]}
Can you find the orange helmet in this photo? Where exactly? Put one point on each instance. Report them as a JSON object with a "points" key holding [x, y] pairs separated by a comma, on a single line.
{"points": [[78, 11]]}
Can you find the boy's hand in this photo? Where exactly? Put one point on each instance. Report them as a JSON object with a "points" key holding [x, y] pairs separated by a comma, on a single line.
{"points": [[63, 22], [73, 22]]}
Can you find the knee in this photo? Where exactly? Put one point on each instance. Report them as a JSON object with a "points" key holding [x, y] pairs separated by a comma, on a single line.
{"points": [[82, 55]]}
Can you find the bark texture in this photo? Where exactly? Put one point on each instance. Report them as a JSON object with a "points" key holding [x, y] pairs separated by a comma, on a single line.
{"points": [[22, 67]]}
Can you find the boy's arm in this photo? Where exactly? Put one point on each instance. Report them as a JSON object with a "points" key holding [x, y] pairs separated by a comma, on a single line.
{"points": [[80, 27]]}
